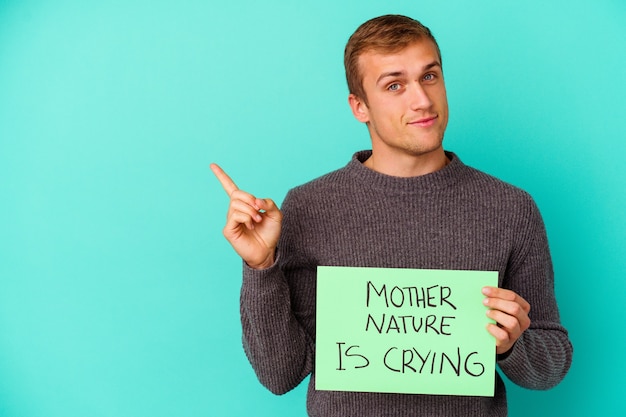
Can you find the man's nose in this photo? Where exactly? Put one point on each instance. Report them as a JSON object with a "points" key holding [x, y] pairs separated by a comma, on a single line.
{"points": [[419, 97]]}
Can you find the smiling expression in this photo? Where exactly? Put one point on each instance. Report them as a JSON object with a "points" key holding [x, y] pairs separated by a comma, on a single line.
{"points": [[406, 108]]}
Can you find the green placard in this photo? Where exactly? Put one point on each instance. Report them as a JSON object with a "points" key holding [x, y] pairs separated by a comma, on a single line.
{"points": [[411, 331]]}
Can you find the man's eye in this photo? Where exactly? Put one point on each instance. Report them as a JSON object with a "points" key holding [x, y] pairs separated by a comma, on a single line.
{"points": [[429, 77], [394, 87]]}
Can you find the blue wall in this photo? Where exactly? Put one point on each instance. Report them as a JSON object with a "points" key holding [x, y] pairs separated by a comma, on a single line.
{"points": [[118, 294]]}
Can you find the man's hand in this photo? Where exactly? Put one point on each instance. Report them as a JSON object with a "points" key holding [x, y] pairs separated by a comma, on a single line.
{"points": [[252, 224], [510, 312]]}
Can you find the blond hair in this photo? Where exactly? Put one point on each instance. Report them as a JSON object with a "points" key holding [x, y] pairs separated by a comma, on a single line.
{"points": [[384, 34]]}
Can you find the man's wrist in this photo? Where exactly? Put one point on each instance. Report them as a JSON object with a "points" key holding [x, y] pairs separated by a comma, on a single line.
{"points": [[267, 263]]}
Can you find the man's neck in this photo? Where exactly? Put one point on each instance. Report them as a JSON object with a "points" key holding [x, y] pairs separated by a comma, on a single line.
{"points": [[408, 165]]}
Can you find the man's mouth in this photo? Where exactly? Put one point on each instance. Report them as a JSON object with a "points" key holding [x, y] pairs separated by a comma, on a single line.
{"points": [[424, 122]]}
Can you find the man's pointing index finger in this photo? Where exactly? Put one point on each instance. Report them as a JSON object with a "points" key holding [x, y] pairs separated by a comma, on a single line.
{"points": [[228, 184]]}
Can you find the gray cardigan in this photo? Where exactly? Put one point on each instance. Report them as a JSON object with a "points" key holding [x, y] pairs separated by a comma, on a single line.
{"points": [[454, 218]]}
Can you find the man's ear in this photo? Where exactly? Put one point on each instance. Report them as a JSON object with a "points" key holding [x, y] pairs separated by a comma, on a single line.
{"points": [[359, 108]]}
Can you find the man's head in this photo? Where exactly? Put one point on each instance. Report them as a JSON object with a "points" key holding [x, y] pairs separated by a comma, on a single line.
{"points": [[397, 89], [385, 34]]}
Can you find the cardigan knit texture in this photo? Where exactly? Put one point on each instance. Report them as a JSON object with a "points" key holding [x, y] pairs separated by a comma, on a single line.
{"points": [[455, 218]]}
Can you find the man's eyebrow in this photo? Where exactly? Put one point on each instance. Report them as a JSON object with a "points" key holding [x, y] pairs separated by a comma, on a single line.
{"points": [[390, 74], [432, 65], [402, 73]]}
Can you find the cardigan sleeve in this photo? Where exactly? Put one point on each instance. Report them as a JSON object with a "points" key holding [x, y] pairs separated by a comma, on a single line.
{"points": [[541, 357], [276, 343]]}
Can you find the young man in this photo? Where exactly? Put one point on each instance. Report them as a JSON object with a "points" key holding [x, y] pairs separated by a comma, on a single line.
{"points": [[407, 204]]}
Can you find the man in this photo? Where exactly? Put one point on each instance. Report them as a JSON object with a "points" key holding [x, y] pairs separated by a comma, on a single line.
{"points": [[407, 203]]}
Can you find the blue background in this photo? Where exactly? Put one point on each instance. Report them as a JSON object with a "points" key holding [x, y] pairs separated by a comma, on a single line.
{"points": [[118, 293]]}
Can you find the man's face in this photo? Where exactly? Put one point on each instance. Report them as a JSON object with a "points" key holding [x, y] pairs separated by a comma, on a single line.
{"points": [[407, 108]]}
